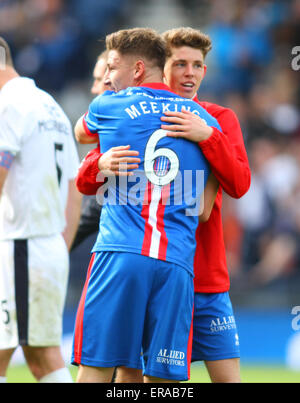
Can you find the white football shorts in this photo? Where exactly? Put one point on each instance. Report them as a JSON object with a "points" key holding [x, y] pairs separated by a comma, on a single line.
{"points": [[33, 284]]}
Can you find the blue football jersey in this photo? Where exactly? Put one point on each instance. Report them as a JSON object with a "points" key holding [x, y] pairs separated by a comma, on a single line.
{"points": [[155, 211]]}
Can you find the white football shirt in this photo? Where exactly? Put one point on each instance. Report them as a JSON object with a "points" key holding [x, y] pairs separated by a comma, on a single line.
{"points": [[34, 128]]}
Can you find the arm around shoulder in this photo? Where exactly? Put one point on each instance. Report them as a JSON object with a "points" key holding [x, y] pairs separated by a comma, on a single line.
{"points": [[88, 173], [226, 154]]}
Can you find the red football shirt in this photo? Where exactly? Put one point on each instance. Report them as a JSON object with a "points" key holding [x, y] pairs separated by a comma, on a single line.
{"points": [[226, 154], [87, 179], [228, 160]]}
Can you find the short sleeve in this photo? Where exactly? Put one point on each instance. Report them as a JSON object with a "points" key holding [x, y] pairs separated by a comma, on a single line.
{"points": [[91, 118]]}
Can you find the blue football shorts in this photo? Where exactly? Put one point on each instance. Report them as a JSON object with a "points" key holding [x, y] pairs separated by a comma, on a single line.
{"points": [[132, 303], [215, 335]]}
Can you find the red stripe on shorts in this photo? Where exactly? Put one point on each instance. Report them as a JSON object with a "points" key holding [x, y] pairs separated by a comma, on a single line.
{"points": [[78, 336], [190, 346]]}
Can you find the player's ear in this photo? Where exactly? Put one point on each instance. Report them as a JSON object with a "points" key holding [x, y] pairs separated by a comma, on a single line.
{"points": [[204, 70], [139, 69]]}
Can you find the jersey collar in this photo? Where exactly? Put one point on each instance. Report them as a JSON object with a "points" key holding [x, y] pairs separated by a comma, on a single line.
{"points": [[156, 86], [195, 98]]}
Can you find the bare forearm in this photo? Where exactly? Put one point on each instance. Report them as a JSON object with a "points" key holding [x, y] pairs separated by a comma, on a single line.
{"points": [[73, 211], [81, 135]]}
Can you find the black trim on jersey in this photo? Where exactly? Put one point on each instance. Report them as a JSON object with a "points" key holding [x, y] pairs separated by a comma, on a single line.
{"points": [[21, 288]]}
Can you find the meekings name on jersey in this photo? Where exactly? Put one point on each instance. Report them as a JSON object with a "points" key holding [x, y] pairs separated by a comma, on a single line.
{"points": [[147, 107]]}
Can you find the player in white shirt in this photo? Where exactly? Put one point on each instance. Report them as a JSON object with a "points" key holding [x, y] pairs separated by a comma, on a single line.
{"points": [[39, 215]]}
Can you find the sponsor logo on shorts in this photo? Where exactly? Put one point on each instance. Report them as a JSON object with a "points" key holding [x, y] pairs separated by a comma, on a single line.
{"points": [[222, 324], [171, 357]]}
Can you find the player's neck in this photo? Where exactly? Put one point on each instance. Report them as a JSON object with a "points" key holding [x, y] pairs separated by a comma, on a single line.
{"points": [[6, 75], [154, 76]]}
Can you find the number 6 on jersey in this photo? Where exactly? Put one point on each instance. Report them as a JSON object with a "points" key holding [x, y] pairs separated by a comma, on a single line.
{"points": [[162, 165]]}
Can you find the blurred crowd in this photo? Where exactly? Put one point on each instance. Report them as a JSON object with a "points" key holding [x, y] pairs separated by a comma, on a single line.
{"points": [[56, 41], [249, 70]]}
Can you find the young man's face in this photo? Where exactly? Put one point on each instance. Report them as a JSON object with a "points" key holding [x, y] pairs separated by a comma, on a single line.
{"points": [[120, 71], [184, 71]]}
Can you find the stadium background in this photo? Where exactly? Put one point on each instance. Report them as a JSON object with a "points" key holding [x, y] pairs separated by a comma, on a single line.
{"points": [[250, 70]]}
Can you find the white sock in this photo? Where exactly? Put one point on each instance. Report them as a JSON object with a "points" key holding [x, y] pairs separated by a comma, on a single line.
{"points": [[2, 379], [61, 375]]}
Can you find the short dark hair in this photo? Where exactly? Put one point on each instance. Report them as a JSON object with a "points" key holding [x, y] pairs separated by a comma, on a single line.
{"points": [[4, 45], [186, 36], [142, 42]]}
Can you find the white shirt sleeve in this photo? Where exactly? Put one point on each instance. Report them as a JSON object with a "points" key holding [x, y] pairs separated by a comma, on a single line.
{"points": [[73, 158], [11, 130]]}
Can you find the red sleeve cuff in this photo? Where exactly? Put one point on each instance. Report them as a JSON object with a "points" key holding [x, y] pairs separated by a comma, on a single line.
{"points": [[95, 173], [211, 141]]}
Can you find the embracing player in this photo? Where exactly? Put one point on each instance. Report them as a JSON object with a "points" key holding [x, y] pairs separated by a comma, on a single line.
{"points": [[184, 72], [139, 288]]}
